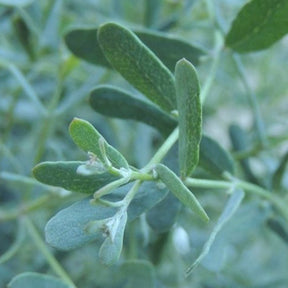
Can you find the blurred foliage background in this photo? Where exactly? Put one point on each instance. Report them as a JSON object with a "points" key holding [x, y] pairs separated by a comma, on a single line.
{"points": [[43, 86]]}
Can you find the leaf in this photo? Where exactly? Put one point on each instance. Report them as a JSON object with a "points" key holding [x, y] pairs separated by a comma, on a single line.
{"points": [[214, 158], [152, 11], [17, 3], [279, 172], [176, 186], [240, 143], [278, 226], [259, 24], [110, 250], [138, 273], [36, 280], [86, 137], [138, 64], [114, 102], [229, 210], [64, 175], [69, 228], [190, 116], [83, 43], [163, 215]]}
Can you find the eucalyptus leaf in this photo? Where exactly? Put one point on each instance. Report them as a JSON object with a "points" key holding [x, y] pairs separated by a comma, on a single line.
{"points": [[86, 137], [214, 158], [64, 175], [176, 186], [137, 64], [163, 215], [83, 43], [229, 210], [259, 24], [36, 280], [190, 116], [138, 273], [73, 227], [110, 250], [114, 102]]}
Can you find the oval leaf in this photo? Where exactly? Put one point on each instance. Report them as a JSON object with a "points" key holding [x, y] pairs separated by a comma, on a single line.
{"points": [[259, 24], [114, 102], [138, 64], [83, 43], [190, 116], [214, 158], [176, 186], [110, 250], [36, 280], [86, 137], [64, 175]]}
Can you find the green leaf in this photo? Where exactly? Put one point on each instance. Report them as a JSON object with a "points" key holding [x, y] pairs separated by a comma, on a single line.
{"points": [[86, 137], [229, 210], [176, 186], [64, 175], [83, 43], [36, 280], [279, 227], [259, 24], [69, 228], [152, 11], [138, 64], [214, 158], [138, 273], [190, 116], [110, 250], [114, 102], [163, 215]]}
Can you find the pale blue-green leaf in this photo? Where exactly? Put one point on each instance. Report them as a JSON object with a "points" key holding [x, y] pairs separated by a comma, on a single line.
{"points": [[69, 228], [64, 175], [190, 116], [86, 137], [138, 273], [259, 24], [113, 102], [229, 210], [138, 64], [176, 186], [164, 214], [36, 280], [111, 248]]}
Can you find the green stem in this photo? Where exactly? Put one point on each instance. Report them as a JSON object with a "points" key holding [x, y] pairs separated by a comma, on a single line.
{"points": [[162, 151], [54, 264], [247, 187]]}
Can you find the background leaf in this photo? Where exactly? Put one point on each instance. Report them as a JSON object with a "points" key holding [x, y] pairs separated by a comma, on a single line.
{"points": [[259, 24], [138, 64], [36, 280], [190, 116], [17, 3], [229, 210], [114, 102], [64, 175], [83, 43], [214, 158], [176, 186]]}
